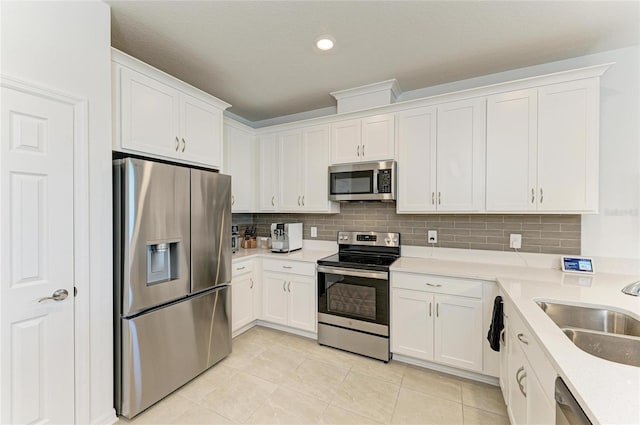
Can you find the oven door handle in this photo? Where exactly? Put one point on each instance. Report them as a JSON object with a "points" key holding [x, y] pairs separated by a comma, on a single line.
{"points": [[354, 272]]}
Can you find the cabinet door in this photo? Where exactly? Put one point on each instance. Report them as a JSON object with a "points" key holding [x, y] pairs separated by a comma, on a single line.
{"points": [[200, 131], [512, 136], [378, 135], [540, 410], [417, 159], [242, 301], [568, 146], [149, 115], [269, 172], [516, 402], [274, 298], [290, 170], [458, 332], [412, 323], [315, 165], [461, 156], [302, 302], [239, 163], [345, 141]]}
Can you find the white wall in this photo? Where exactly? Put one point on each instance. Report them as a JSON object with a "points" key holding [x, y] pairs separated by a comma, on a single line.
{"points": [[66, 46]]}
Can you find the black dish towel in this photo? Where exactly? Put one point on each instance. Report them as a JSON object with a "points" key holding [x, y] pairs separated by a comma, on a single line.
{"points": [[497, 324]]}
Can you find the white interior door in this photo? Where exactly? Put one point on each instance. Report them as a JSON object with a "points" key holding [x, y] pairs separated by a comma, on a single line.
{"points": [[36, 251]]}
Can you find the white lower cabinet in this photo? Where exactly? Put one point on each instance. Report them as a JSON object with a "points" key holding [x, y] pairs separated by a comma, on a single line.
{"points": [[245, 295], [437, 319], [289, 294], [529, 382]]}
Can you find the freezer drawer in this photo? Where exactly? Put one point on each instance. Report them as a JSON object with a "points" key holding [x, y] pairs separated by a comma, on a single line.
{"points": [[165, 348]]}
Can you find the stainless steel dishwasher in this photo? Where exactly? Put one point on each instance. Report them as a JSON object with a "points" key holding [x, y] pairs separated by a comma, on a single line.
{"points": [[568, 411]]}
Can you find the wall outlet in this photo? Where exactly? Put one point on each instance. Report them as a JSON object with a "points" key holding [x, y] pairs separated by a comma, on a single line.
{"points": [[515, 241], [432, 236], [314, 232]]}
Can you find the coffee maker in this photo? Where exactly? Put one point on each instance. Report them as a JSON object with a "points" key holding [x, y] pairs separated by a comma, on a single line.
{"points": [[286, 237]]}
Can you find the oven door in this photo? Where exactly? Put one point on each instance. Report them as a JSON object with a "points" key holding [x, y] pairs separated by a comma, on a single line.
{"points": [[354, 299]]}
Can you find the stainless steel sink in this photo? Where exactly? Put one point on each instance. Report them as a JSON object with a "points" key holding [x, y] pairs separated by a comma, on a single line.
{"points": [[596, 319], [615, 348], [608, 334]]}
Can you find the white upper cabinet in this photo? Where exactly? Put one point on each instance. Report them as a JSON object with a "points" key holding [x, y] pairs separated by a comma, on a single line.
{"points": [[294, 179], [461, 156], [441, 158], [159, 116], [542, 149], [315, 165], [240, 163], [416, 160], [201, 127], [149, 115], [269, 153], [359, 140], [568, 146], [511, 150], [291, 170]]}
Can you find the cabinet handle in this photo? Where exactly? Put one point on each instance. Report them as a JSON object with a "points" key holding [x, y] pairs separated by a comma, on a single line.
{"points": [[533, 195], [541, 196], [284, 286], [436, 285], [363, 150], [177, 144], [233, 199], [184, 144], [429, 309], [439, 198], [298, 200], [240, 268], [433, 198], [437, 309], [273, 201], [303, 200], [502, 336], [522, 339], [519, 379], [251, 283], [287, 267], [358, 150], [289, 286]]}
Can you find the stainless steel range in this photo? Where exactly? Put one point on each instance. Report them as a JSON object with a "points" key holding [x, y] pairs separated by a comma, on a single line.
{"points": [[353, 293]]}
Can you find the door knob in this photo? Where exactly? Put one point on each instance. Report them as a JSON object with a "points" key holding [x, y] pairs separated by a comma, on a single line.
{"points": [[58, 295]]}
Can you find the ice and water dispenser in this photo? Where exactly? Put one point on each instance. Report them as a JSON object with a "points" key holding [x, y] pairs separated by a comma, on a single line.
{"points": [[162, 262]]}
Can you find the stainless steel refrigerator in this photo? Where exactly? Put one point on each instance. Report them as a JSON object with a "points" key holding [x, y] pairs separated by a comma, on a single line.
{"points": [[172, 270]]}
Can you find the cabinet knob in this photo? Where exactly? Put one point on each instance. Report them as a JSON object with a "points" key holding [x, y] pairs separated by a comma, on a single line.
{"points": [[298, 200], [533, 195], [289, 286], [273, 203], [439, 198], [284, 286], [541, 196], [435, 285], [522, 339], [433, 198], [251, 283], [184, 144], [177, 144], [233, 199], [358, 150], [303, 200], [363, 150]]}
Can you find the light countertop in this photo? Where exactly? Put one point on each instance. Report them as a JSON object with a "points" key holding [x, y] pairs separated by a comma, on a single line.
{"points": [[306, 255], [608, 392]]}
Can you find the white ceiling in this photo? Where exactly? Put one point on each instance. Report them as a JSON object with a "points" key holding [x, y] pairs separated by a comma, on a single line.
{"points": [[259, 56]]}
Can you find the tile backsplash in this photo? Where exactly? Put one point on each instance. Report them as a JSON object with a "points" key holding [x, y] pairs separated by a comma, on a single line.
{"points": [[550, 234]]}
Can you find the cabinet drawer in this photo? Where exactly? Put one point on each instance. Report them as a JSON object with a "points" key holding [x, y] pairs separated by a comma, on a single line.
{"points": [[521, 335], [283, 266], [241, 267], [437, 284]]}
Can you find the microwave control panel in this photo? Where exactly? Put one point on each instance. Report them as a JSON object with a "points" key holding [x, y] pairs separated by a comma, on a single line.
{"points": [[384, 181]]}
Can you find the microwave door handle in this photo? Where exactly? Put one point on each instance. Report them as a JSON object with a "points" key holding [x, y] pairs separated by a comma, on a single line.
{"points": [[376, 177]]}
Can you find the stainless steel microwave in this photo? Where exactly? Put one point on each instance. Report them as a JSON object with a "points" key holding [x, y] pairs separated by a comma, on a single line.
{"points": [[365, 181]]}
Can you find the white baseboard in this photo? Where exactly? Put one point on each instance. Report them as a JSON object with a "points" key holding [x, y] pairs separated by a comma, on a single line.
{"points": [[306, 334], [474, 376], [109, 418]]}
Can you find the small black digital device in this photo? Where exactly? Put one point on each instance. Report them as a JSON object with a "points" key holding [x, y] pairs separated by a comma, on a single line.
{"points": [[581, 265], [384, 181]]}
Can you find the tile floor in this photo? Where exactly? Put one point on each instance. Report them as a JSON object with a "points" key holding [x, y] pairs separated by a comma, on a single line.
{"points": [[274, 377]]}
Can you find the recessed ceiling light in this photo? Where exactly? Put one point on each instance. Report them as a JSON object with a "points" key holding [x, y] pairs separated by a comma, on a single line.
{"points": [[325, 42]]}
